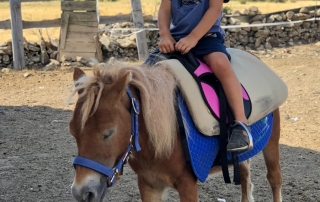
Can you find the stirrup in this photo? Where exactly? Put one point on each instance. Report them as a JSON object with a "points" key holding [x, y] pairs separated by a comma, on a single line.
{"points": [[248, 131]]}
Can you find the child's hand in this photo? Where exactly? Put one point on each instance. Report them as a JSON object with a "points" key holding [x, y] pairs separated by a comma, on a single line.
{"points": [[185, 44], [166, 44]]}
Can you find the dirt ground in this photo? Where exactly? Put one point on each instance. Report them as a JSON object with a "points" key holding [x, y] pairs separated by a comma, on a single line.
{"points": [[36, 148]]}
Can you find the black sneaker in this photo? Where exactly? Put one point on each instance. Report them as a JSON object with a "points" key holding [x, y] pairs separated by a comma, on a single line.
{"points": [[240, 138]]}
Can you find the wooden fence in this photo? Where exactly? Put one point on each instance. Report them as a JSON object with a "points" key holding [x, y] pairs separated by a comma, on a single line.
{"points": [[16, 24]]}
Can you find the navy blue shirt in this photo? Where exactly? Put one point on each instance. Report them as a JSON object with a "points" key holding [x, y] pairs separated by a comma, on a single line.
{"points": [[186, 16]]}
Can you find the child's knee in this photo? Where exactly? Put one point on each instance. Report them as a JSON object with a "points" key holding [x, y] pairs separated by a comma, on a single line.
{"points": [[222, 62], [217, 59], [221, 65]]}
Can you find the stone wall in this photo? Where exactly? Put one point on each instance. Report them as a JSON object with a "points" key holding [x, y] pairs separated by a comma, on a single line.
{"points": [[260, 38], [121, 44], [37, 54]]}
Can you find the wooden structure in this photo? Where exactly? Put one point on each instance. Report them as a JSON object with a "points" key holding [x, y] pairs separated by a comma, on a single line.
{"points": [[79, 29]]}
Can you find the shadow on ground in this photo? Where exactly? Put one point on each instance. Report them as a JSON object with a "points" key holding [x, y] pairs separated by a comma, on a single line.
{"points": [[36, 151]]}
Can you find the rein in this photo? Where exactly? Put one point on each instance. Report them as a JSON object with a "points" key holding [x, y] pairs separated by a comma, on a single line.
{"points": [[110, 173]]}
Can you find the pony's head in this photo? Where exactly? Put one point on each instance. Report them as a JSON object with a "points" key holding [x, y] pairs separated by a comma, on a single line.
{"points": [[101, 122], [100, 127]]}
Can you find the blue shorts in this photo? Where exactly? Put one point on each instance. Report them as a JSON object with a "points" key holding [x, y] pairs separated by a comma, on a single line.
{"points": [[210, 43]]}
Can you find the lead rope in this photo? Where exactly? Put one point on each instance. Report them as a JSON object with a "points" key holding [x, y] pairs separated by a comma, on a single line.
{"points": [[314, 16]]}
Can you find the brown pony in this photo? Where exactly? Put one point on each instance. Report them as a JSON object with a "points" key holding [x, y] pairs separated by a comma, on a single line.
{"points": [[101, 125]]}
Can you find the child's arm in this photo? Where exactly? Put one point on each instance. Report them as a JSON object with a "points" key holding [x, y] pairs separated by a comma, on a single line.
{"points": [[207, 21], [166, 44]]}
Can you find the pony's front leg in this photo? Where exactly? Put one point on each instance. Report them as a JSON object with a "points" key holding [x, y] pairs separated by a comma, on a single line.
{"points": [[246, 185], [148, 192], [187, 187]]}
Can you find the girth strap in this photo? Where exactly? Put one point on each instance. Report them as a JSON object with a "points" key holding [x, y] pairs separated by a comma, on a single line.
{"points": [[224, 113], [223, 133]]}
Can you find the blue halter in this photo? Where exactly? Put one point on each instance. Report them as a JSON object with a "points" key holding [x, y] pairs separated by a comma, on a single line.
{"points": [[134, 142]]}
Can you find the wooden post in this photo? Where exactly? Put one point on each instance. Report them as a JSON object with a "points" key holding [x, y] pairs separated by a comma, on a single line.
{"points": [[17, 38], [138, 25], [64, 29], [99, 55]]}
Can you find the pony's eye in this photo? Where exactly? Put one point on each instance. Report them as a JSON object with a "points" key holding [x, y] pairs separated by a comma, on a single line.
{"points": [[108, 133]]}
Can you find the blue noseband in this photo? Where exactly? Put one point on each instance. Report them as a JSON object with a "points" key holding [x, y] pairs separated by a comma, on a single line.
{"points": [[134, 142]]}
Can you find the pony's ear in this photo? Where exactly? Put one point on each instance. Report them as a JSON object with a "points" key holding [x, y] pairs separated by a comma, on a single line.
{"points": [[77, 73], [122, 83]]}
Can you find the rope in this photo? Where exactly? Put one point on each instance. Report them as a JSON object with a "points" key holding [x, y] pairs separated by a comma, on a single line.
{"points": [[138, 30], [314, 16]]}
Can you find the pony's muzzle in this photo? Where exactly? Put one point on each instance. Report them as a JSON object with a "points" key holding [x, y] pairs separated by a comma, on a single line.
{"points": [[92, 189]]}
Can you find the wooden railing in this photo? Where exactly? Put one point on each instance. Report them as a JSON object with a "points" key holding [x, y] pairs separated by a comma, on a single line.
{"points": [[5, 24]]}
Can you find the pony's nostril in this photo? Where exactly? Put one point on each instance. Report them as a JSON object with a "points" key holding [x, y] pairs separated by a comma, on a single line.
{"points": [[88, 196], [90, 190]]}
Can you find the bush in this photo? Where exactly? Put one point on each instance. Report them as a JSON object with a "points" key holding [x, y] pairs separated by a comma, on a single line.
{"points": [[227, 10], [243, 1]]}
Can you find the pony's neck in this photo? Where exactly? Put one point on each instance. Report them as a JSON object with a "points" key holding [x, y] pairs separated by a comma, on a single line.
{"points": [[146, 149]]}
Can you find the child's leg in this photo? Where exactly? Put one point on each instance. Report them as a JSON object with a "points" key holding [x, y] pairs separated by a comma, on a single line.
{"points": [[221, 67], [154, 57]]}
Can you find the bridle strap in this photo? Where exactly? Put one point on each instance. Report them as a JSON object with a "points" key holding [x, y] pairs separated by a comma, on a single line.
{"points": [[94, 165], [111, 172], [135, 110]]}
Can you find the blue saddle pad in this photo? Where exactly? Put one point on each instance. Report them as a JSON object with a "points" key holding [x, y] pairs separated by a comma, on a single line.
{"points": [[203, 149]]}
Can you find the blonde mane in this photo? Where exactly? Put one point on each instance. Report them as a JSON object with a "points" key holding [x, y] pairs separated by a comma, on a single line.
{"points": [[156, 87]]}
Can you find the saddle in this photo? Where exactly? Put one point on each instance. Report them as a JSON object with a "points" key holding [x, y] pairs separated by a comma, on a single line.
{"points": [[263, 91]]}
